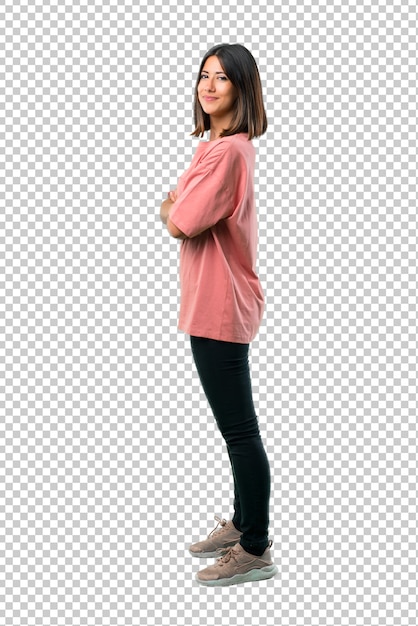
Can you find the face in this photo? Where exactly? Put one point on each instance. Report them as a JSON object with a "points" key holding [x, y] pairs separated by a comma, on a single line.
{"points": [[216, 93]]}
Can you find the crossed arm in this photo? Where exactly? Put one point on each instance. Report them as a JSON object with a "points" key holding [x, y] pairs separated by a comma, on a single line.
{"points": [[165, 216]]}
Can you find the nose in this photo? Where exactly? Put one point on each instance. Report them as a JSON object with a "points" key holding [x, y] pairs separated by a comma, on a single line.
{"points": [[210, 84]]}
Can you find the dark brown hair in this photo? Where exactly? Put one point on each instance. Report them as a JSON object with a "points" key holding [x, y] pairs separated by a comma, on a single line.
{"points": [[240, 67]]}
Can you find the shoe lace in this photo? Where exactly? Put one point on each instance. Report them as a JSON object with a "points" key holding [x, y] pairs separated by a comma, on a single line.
{"points": [[217, 530], [231, 553]]}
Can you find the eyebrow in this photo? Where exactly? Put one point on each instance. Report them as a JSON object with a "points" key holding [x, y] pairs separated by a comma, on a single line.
{"points": [[207, 72]]}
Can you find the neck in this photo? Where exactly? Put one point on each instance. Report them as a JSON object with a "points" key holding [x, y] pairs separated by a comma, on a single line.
{"points": [[213, 136], [217, 126]]}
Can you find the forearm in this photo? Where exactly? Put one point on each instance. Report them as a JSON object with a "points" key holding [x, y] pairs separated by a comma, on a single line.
{"points": [[164, 214]]}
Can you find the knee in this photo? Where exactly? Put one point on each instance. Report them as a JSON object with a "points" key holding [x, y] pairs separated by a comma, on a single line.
{"points": [[243, 436]]}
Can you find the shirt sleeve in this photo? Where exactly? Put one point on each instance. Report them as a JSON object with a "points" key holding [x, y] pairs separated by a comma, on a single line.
{"points": [[208, 195]]}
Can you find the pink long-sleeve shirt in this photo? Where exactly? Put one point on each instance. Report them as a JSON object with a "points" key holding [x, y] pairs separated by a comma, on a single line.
{"points": [[221, 295]]}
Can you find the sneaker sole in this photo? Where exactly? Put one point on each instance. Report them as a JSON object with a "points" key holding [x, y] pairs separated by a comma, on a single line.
{"points": [[252, 576]]}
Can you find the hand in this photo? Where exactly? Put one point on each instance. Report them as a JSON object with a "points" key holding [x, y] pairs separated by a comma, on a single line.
{"points": [[165, 209], [172, 195]]}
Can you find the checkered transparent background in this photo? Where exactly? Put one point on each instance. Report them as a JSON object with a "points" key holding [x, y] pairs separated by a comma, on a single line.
{"points": [[110, 461]]}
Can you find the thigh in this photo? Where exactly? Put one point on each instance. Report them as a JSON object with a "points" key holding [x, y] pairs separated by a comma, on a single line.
{"points": [[225, 376]]}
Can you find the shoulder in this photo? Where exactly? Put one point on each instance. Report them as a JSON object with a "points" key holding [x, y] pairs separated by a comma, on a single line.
{"points": [[238, 143], [226, 151]]}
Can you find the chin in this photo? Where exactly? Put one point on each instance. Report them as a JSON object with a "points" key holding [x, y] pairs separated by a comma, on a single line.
{"points": [[205, 107]]}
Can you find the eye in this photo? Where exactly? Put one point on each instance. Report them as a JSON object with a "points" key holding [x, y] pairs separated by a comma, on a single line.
{"points": [[223, 78]]}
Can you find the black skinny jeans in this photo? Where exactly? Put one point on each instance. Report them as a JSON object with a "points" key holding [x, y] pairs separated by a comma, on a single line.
{"points": [[225, 376]]}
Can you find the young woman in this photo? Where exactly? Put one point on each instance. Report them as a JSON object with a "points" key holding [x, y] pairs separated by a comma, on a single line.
{"points": [[213, 212]]}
